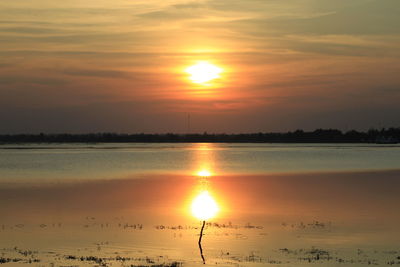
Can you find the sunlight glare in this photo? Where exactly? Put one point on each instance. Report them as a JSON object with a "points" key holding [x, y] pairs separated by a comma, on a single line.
{"points": [[204, 173], [204, 206], [203, 72]]}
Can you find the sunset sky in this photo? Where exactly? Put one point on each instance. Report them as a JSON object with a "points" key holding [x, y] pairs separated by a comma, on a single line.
{"points": [[121, 66]]}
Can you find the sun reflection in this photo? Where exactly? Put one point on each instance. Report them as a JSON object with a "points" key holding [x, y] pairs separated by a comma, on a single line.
{"points": [[204, 173], [204, 206], [204, 162]]}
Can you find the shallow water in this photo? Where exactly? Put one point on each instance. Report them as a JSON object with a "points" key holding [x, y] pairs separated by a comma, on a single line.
{"points": [[129, 204], [37, 162]]}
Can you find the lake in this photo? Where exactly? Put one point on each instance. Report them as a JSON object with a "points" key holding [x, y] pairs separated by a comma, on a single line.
{"points": [[130, 204]]}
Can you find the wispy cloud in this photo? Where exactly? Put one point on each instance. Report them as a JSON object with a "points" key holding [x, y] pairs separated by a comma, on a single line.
{"points": [[292, 58]]}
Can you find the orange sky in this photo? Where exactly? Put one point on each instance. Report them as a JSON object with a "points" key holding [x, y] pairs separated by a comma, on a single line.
{"points": [[86, 66]]}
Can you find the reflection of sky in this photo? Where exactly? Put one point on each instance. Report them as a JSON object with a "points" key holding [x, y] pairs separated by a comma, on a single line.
{"points": [[124, 160], [204, 159], [351, 205], [203, 205], [283, 207]]}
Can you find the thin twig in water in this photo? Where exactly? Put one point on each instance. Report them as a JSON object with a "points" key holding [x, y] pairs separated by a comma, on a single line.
{"points": [[201, 236]]}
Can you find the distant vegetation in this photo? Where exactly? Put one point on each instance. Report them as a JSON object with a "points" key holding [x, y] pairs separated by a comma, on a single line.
{"points": [[384, 136]]}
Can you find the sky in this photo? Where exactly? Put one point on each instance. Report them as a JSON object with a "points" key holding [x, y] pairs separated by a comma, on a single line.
{"points": [[119, 66]]}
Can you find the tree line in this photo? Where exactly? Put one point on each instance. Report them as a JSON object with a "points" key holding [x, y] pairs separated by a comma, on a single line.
{"points": [[390, 135]]}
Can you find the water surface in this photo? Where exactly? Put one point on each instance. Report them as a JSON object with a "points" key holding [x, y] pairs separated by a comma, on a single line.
{"points": [[129, 204], [99, 161]]}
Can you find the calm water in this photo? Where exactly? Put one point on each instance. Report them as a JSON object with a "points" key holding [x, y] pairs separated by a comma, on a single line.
{"points": [[39, 162], [129, 204]]}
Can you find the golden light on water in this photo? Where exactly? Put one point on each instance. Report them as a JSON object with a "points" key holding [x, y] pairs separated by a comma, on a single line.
{"points": [[204, 206], [204, 173], [203, 72]]}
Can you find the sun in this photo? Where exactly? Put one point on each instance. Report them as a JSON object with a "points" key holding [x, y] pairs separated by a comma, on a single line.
{"points": [[204, 206], [203, 72]]}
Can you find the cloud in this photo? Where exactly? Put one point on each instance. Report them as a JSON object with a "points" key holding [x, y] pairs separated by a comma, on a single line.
{"points": [[122, 62], [374, 18], [29, 30], [6, 80], [99, 73]]}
